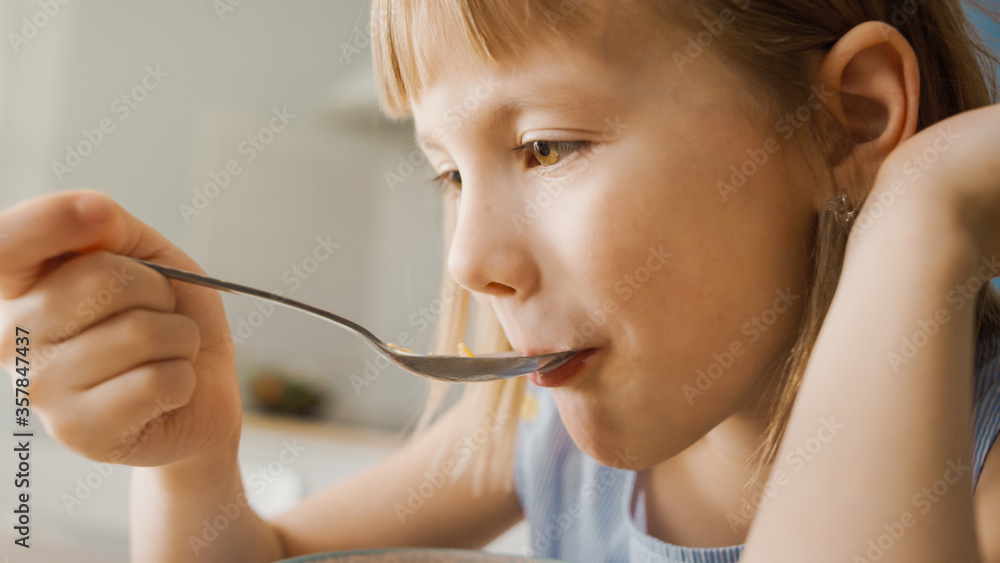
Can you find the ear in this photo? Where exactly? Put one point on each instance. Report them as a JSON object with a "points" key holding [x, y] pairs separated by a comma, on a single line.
{"points": [[874, 72]]}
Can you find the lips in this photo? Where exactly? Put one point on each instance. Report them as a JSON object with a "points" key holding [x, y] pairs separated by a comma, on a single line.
{"points": [[529, 345], [565, 374]]}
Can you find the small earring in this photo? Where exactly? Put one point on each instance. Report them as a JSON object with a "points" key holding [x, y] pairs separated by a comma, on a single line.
{"points": [[843, 214]]}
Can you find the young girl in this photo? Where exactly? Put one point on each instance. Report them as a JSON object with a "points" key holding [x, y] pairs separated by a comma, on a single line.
{"points": [[772, 371]]}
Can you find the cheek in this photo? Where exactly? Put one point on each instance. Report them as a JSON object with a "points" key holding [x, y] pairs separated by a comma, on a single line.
{"points": [[684, 269], [726, 254], [642, 239]]}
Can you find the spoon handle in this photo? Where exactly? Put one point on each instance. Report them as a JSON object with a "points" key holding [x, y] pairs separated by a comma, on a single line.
{"points": [[205, 281]]}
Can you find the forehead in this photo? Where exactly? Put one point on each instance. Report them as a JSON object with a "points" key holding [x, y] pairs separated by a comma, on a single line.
{"points": [[491, 96], [598, 65]]}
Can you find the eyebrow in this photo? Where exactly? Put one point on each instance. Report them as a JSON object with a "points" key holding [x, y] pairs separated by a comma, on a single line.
{"points": [[499, 114], [508, 110]]}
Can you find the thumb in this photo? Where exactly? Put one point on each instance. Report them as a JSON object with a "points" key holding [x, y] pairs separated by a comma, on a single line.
{"points": [[42, 229]]}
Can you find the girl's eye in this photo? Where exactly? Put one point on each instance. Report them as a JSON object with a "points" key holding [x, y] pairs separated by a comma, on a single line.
{"points": [[449, 178], [549, 153], [546, 153]]}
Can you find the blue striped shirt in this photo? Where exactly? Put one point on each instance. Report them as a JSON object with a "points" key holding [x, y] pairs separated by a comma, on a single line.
{"points": [[581, 510]]}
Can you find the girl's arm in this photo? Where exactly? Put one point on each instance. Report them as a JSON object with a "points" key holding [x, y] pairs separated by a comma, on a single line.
{"points": [[197, 512], [200, 513], [875, 464], [409, 499]]}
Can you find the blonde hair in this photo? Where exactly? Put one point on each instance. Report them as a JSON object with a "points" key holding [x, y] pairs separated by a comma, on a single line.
{"points": [[769, 40]]}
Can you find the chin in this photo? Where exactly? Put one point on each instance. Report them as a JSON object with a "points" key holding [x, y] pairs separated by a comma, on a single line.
{"points": [[603, 437]]}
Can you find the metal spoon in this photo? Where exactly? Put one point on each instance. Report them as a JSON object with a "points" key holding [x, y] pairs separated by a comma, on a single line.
{"points": [[448, 368]]}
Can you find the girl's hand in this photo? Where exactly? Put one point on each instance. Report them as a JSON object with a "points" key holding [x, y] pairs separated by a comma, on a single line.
{"points": [[954, 164], [125, 367]]}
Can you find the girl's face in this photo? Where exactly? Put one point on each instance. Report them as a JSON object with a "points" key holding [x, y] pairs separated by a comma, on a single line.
{"points": [[662, 219]]}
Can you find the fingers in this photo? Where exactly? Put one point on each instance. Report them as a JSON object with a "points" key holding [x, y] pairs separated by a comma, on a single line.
{"points": [[88, 289], [113, 420], [114, 378], [44, 228], [137, 336]]}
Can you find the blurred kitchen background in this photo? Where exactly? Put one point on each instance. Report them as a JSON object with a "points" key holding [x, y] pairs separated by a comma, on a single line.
{"points": [[323, 200], [303, 68]]}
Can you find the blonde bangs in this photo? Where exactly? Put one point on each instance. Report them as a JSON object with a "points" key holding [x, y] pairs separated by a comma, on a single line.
{"points": [[407, 37]]}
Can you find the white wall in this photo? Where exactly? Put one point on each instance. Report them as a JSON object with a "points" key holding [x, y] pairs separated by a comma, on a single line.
{"points": [[322, 176]]}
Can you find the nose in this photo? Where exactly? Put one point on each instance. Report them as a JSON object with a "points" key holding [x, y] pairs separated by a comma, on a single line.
{"points": [[489, 254]]}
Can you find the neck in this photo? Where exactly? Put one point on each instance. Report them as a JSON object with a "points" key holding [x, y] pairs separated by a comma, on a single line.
{"points": [[702, 497]]}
